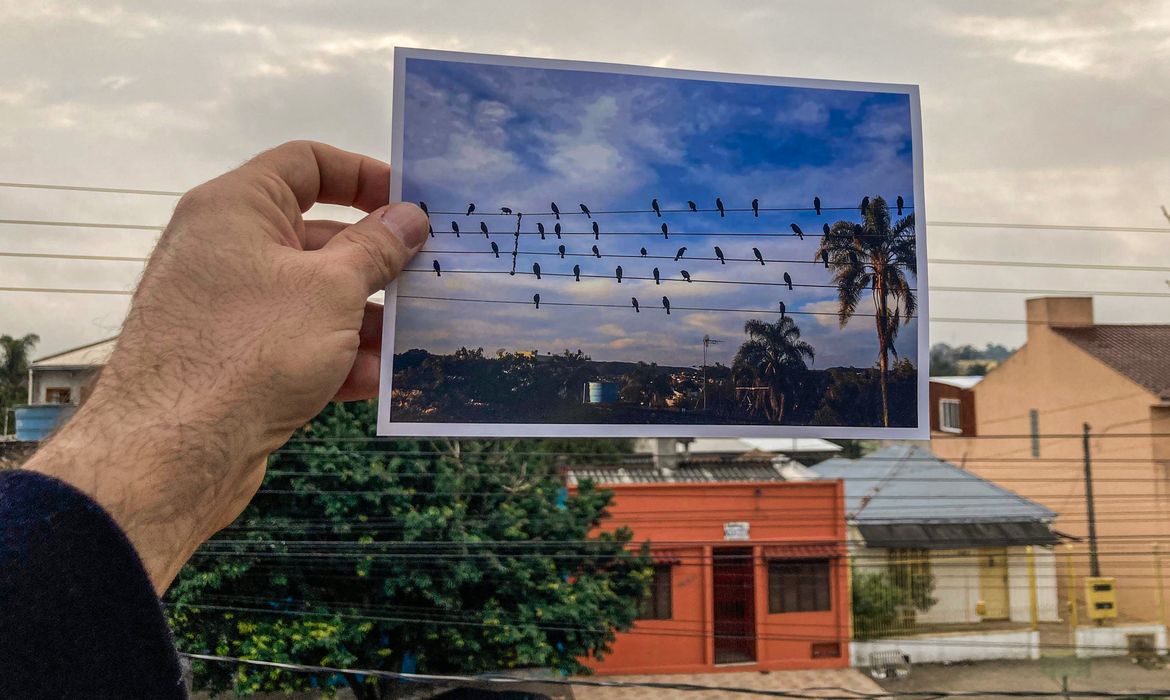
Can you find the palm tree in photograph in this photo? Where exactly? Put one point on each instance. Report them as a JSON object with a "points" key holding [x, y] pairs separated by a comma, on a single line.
{"points": [[874, 255], [772, 357]]}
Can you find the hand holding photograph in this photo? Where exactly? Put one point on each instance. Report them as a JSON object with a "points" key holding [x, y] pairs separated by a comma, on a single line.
{"points": [[633, 251]]}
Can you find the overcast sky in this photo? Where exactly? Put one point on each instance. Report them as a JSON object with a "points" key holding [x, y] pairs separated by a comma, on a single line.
{"points": [[1043, 112]]}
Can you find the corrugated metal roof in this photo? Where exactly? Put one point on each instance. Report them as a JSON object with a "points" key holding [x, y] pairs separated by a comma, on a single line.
{"points": [[1139, 352], [704, 473], [906, 484], [957, 535], [92, 355]]}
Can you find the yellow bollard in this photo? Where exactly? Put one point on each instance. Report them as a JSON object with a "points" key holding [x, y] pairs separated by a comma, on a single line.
{"points": [[1033, 601], [1072, 589]]}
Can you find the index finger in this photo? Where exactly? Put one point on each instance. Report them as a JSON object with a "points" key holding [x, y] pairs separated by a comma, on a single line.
{"points": [[317, 172]]}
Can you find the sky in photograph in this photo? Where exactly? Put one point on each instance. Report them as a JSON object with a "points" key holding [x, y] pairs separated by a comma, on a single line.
{"points": [[1045, 112], [523, 137]]}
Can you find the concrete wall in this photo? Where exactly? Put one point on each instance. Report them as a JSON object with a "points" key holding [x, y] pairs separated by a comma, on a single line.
{"points": [[956, 587], [944, 648], [78, 381], [1047, 597], [1111, 641]]}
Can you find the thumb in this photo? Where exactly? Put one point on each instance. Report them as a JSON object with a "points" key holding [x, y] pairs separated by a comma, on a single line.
{"points": [[379, 246]]}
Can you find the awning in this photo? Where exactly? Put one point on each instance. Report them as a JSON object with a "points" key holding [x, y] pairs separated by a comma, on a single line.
{"points": [[819, 550], [957, 535], [666, 556]]}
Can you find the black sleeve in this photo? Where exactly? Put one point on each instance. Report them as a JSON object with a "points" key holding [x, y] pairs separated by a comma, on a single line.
{"points": [[78, 615]]}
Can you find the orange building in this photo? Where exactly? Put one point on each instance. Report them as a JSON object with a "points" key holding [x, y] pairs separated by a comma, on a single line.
{"points": [[749, 574]]}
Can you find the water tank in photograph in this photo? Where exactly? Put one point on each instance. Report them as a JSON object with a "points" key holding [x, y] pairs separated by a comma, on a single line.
{"points": [[603, 392]]}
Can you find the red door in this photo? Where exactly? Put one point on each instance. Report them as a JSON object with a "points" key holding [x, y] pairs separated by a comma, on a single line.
{"points": [[733, 577]]}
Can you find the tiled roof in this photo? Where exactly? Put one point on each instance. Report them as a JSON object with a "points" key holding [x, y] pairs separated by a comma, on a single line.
{"points": [[684, 473], [1138, 352]]}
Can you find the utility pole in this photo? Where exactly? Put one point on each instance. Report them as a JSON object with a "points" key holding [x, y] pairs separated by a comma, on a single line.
{"points": [[1094, 564]]}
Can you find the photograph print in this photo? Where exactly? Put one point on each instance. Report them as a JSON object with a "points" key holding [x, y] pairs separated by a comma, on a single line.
{"points": [[632, 251]]}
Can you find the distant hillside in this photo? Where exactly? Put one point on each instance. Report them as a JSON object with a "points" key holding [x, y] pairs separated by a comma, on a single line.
{"points": [[948, 361]]}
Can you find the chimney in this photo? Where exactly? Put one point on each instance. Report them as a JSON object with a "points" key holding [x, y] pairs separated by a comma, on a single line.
{"points": [[1059, 312]]}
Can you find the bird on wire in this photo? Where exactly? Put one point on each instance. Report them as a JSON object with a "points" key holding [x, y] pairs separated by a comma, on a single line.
{"points": [[788, 281], [536, 270], [596, 252], [618, 272], [678, 255], [557, 230], [901, 204], [782, 310], [796, 230], [555, 210], [657, 279], [536, 300], [759, 256], [666, 305], [455, 228], [719, 206], [470, 208], [505, 210], [577, 272], [756, 208], [585, 211], [826, 230], [484, 229], [719, 254], [654, 206], [864, 205], [561, 250], [692, 205], [685, 275], [495, 249], [665, 231], [423, 206], [596, 232], [643, 251], [438, 269], [540, 229], [817, 205], [634, 301]]}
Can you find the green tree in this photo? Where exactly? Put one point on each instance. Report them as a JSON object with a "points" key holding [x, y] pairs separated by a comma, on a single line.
{"points": [[647, 385], [14, 369], [445, 557], [772, 356], [874, 256]]}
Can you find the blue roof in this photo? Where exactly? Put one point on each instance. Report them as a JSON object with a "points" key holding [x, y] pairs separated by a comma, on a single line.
{"points": [[907, 484]]}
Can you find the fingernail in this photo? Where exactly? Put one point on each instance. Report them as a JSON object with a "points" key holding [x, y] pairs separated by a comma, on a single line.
{"points": [[407, 222]]}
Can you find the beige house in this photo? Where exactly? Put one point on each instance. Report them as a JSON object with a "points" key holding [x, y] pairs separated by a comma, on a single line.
{"points": [[1026, 434]]}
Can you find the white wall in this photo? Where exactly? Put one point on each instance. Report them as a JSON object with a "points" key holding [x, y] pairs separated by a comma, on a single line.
{"points": [[1047, 598], [1111, 641], [943, 648], [956, 587], [74, 379]]}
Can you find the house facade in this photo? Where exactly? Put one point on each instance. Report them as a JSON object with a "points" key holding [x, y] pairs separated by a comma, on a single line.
{"points": [[1022, 426], [57, 384], [748, 575]]}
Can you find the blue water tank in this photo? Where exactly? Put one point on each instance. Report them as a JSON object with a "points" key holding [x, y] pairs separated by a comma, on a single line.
{"points": [[603, 392], [37, 422]]}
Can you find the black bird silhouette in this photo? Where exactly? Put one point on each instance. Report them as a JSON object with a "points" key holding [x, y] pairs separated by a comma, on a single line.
{"points": [[455, 228], [656, 279], [825, 228], [719, 205], [756, 252], [825, 258], [557, 230], [536, 300], [483, 228], [643, 251], [556, 212], [864, 205], [585, 210], [719, 254], [665, 231], [596, 251], [679, 254], [692, 205], [634, 300], [901, 203], [666, 305], [561, 250], [654, 206], [495, 249], [536, 270], [540, 229], [577, 272], [755, 207], [782, 310], [470, 208], [685, 275], [429, 229], [797, 231], [817, 205], [619, 274], [788, 281], [438, 270], [596, 232], [423, 206], [505, 210]]}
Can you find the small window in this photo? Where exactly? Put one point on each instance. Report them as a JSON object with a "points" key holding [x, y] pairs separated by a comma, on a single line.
{"points": [[1034, 421], [656, 605], [825, 650], [58, 394], [798, 586], [948, 416]]}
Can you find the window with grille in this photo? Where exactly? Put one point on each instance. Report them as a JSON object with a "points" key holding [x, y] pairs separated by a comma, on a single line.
{"points": [[656, 605], [799, 586]]}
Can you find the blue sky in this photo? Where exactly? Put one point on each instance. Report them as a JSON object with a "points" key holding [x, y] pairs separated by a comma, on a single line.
{"points": [[523, 137]]}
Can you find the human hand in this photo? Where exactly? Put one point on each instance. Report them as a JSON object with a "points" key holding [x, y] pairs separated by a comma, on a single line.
{"points": [[247, 322]]}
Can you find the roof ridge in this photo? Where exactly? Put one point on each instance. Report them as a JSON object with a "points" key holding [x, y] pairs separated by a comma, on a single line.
{"points": [[72, 350]]}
